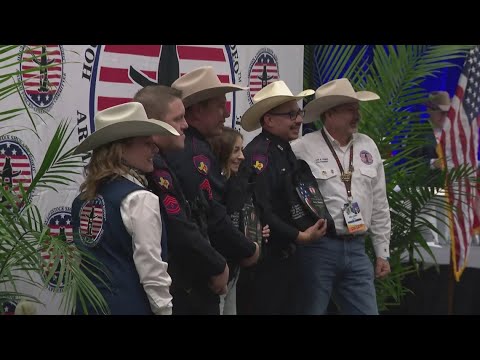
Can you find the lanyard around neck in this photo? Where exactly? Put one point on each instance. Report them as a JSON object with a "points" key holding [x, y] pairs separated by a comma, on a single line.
{"points": [[346, 177]]}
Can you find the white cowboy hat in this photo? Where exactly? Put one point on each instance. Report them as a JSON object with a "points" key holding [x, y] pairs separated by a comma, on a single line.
{"points": [[438, 101], [334, 93], [271, 96], [121, 122], [202, 84]]}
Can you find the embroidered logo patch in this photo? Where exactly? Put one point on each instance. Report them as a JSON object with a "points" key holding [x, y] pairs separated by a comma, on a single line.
{"points": [[92, 218], [202, 163], [205, 185], [163, 179], [171, 205], [259, 162], [366, 157]]}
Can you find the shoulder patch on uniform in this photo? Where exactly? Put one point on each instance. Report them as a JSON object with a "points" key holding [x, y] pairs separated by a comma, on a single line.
{"points": [[205, 185], [171, 205], [163, 179], [259, 162], [366, 157], [202, 163], [92, 217]]}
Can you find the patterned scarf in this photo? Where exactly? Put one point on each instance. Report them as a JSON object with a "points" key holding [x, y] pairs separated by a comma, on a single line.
{"points": [[137, 174]]}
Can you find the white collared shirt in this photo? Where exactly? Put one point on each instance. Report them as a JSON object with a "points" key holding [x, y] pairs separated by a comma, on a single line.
{"points": [[368, 182], [140, 211]]}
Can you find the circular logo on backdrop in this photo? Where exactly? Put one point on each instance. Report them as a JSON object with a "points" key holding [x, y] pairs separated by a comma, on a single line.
{"points": [[16, 166], [119, 71], [8, 306], [41, 87], [59, 220], [262, 71], [366, 157]]}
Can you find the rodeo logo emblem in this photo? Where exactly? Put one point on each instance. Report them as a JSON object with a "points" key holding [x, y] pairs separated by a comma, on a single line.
{"points": [[59, 220], [8, 306], [137, 66], [41, 87], [262, 71], [16, 165]]}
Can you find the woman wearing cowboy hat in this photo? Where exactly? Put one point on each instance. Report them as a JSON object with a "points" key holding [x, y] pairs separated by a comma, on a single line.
{"points": [[116, 220]]}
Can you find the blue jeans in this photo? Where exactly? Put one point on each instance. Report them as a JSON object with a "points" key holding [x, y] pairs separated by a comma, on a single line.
{"points": [[339, 268]]}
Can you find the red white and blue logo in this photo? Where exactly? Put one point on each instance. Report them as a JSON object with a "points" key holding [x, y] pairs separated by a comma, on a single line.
{"points": [[16, 166], [42, 75], [262, 71], [59, 220], [92, 217], [8, 307], [119, 71]]}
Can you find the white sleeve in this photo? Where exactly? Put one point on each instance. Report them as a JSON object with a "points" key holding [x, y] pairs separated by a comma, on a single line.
{"points": [[380, 226], [140, 212]]}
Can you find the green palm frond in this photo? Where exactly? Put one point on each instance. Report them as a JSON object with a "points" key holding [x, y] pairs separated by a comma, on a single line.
{"points": [[23, 233], [395, 123], [57, 162], [24, 237]]}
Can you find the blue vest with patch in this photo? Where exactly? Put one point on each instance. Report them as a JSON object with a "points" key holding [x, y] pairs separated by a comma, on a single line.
{"points": [[101, 232]]}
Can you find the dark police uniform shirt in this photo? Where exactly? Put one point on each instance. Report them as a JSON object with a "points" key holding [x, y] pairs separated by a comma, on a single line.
{"points": [[273, 162], [192, 259], [198, 172]]}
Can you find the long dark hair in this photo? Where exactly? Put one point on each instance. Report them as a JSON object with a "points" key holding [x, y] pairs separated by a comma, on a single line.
{"points": [[222, 146]]}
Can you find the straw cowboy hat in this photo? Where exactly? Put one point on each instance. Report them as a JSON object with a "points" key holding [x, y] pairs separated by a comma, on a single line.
{"points": [[438, 101], [202, 84], [121, 122], [334, 93], [271, 96]]}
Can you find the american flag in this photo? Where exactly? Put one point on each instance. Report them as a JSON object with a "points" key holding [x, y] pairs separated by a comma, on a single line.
{"points": [[263, 72], [114, 85], [41, 86], [459, 144]]}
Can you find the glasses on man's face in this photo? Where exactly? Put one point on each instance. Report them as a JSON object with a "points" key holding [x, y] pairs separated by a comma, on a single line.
{"points": [[292, 114]]}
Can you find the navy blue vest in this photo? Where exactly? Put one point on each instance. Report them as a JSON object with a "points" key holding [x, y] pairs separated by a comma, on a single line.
{"points": [[105, 237]]}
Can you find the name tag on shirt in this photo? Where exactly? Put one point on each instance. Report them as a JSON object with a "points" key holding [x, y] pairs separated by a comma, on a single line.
{"points": [[353, 218]]}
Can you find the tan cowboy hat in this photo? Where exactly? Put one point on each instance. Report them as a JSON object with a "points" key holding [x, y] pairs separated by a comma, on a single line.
{"points": [[271, 96], [202, 84], [438, 101], [334, 93], [121, 122]]}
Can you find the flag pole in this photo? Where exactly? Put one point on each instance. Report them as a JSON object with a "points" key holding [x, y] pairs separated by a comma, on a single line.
{"points": [[451, 287]]}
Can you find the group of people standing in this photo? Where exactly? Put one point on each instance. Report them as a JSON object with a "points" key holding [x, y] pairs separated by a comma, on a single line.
{"points": [[183, 220]]}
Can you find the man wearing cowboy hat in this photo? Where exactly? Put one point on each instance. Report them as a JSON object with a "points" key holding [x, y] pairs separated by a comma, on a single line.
{"points": [[199, 273], [117, 220], [271, 164], [196, 166], [351, 177], [437, 105]]}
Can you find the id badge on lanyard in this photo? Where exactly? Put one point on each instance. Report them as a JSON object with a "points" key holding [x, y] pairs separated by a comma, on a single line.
{"points": [[353, 217], [351, 210]]}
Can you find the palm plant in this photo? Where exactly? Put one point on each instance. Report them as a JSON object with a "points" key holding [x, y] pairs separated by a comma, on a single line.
{"points": [[395, 73], [23, 233]]}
